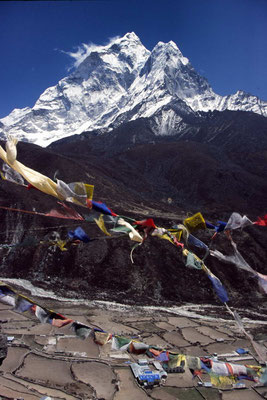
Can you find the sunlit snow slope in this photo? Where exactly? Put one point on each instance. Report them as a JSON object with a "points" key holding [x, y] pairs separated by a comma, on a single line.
{"points": [[120, 82]]}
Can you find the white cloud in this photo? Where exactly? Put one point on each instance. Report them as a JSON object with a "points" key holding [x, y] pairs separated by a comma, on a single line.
{"points": [[82, 51]]}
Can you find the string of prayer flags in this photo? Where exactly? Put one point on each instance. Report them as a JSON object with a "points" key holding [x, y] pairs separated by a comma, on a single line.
{"points": [[195, 222], [22, 304], [221, 373]]}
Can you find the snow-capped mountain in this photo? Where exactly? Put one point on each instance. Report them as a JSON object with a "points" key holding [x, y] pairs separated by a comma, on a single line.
{"points": [[120, 82]]}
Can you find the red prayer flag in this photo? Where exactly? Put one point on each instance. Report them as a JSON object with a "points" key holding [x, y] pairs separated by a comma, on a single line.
{"points": [[146, 223], [261, 221], [67, 213]]}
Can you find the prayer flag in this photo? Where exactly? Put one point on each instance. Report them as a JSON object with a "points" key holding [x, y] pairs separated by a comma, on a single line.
{"points": [[79, 234], [146, 223], [81, 330], [120, 343], [217, 284], [102, 208], [261, 221], [101, 225], [67, 213], [134, 235], [195, 222], [237, 221], [196, 242], [102, 337]]}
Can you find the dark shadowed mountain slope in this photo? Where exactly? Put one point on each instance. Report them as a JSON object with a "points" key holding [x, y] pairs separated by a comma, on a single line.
{"points": [[217, 160], [139, 174]]}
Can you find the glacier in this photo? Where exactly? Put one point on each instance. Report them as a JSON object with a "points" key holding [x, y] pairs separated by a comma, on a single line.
{"points": [[120, 82]]}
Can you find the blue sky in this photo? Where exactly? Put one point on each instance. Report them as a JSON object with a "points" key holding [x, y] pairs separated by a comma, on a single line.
{"points": [[225, 40]]}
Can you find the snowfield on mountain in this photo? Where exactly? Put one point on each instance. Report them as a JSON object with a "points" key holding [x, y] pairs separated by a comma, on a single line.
{"points": [[120, 82]]}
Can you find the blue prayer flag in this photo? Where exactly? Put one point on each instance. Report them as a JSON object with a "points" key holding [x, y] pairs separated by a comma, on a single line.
{"points": [[79, 234], [196, 242], [101, 207], [221, 292], [221, 226]]}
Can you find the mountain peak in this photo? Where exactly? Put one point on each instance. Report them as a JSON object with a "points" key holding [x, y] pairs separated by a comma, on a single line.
{"points": [[169, 49], [129, 39], [120, 82], [131, 36]]}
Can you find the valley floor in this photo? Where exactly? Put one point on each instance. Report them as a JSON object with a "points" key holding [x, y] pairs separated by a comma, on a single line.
{"points": [[46, 360]]}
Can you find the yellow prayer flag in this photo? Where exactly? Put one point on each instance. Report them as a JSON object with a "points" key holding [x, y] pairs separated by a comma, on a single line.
{"points": [[175, 360], [100, 223], [195, 222], [61, 244], [39, 181], [102, 337], [89, 191], [222, 381], [166, 237]]}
